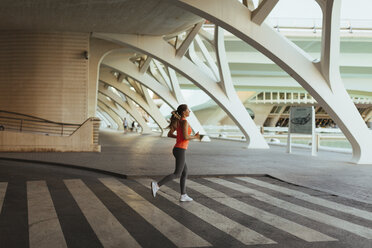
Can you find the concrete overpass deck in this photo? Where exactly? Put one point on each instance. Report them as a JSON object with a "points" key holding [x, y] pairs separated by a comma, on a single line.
{"points": [[133, 155]]}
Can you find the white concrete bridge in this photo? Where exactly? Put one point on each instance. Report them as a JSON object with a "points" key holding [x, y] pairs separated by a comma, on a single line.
{"points": [[69, 57]]}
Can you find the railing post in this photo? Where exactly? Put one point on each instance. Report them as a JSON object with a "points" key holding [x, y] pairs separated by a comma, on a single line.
{"points": [[21, 125], [62, 130]]}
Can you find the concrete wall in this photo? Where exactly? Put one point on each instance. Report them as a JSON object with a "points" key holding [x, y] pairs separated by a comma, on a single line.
{"points": [[84, 139], [44, 75]]}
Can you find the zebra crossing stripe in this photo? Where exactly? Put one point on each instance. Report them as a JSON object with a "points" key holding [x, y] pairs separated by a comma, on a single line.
{"points": [[107, 228], [244, 235], [172, 229], [44, 227], [311, 214], [3, 186], [288, 226], [306, 197]]}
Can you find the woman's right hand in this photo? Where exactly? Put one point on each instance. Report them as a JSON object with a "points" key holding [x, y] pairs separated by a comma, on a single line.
{"points": [[197, 136]]}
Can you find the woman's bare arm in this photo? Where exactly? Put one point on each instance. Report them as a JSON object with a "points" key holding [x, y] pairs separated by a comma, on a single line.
{"points": [[171, 133], [185, 127]]}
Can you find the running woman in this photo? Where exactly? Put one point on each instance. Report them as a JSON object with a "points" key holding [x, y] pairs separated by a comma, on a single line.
{"points": [[178, 123]]}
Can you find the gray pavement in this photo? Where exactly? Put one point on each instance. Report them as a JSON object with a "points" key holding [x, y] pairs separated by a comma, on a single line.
{"points": [[53, 206], [137, 155], [43, 203]]}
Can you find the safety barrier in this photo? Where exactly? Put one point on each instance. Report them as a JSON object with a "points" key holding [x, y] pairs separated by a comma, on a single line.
{"points": [[10, 121]]}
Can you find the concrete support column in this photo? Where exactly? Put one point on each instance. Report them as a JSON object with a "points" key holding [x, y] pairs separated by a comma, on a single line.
{"points": [[45, 74], [98, 49]]}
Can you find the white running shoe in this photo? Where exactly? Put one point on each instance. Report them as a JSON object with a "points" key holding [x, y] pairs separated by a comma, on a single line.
{"points": [[185, 198], [154, 188]]}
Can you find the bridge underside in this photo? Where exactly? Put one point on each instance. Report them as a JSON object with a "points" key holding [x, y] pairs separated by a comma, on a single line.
{"points": [[74, 61]]}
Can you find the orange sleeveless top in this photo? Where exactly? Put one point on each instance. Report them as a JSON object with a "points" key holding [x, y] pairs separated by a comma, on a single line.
{"points": [[181, 142]]}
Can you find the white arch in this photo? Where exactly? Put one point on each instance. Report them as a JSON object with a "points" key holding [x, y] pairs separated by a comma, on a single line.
{"points": [[98, 49], [102, 116], [109, 79], [128, 106], [120, 62], [321, 80], [159, 49], [114, 117]]}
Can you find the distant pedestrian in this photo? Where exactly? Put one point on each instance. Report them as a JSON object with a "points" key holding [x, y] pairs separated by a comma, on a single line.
{"points": [[135, 126], [125, 124], [178, 123]]}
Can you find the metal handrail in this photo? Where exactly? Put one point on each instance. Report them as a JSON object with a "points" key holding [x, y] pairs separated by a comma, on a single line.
{"points": [[11, 121]]}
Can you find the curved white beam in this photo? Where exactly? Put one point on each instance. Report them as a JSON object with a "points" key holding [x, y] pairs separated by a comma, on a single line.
{"points": [[121, 63], [132, 111], [114, 117], [138, 116], [208, 57], [101, 114], [109, 79], [263, 10], [236, 18], [190, 37], [145, 64], [97, 50], [198, 62], [159, 49], [329, 62], [225, 75], [249, 4]]}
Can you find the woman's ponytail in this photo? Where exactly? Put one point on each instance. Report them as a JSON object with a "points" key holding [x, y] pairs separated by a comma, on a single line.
{"points": [[176, 116]]}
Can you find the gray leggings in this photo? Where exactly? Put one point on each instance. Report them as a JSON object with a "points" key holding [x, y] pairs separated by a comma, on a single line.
{"points": [[181, 167]]}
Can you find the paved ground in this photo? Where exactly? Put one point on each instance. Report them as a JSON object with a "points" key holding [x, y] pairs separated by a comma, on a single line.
{"points": [[50, 206], [139, 155]]}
